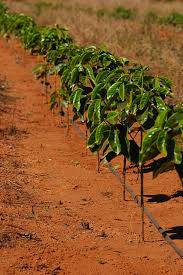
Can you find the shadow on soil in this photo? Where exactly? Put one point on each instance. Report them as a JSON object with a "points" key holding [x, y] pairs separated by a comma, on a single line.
{"points": [[159, 198], [176, 232]]}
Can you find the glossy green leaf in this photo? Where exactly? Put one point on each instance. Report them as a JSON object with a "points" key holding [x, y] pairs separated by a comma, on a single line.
{"points": [[96, 90], [90, 73], [143, 117], [160, 103], [121, 91], [100, 132], [91, 109], [181, 126], [112, 117], [91, 140], [74, 75], [177, 154], [144, 100], [161, 119], [149, 147], [112, 90], [114, 141], [130, 99], [77, 99], [97, 112], [110, 77], [174, 120], [149, 154], [179, 107], [162, 142], [101, 77]]}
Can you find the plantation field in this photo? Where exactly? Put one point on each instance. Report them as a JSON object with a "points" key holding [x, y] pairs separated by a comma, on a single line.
{"points": [[61, 212]]}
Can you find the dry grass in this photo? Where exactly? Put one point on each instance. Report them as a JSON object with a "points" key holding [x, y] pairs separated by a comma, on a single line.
{"points": [[160, 47]]}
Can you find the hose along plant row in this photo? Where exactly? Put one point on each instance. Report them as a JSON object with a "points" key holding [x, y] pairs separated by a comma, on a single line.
{"points": [[109, 95]]}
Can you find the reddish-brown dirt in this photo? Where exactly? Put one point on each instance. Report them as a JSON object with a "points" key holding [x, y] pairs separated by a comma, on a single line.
{"points": [[57, 214]]}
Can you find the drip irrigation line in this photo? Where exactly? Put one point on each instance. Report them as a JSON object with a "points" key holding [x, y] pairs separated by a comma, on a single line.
{"points": [[128, 188], [146, 211]]}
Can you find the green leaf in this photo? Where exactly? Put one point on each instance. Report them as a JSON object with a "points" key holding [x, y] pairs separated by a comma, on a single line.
{"points": [[181, 126], [144, 100], [114, 141], [65, 75], [77, 98], [91, 140], [156, 82], [162, 142], [112, 117], [130, 99], [97, 112], [111, 76], [173, 121], [91, 109], [161, 119], [149, 148], [90, 73], [112, 90], [101, 77], [97, 90], [100, 132], [121, 91], [74, 75], [84, 57], [160, 103], [143, 117], [179, 107], [53, 100], [117, 141], [177, 154]]}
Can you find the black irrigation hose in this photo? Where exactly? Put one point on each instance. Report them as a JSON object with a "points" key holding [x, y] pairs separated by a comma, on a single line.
{"points": [[146, 211], [135, 198]]}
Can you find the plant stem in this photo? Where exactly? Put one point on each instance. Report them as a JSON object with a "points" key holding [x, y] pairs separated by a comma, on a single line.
{"points": [[124, 178], [86, 135], [68, 123], [142, 201], [142, 194], [45, 81], [55, 82]]}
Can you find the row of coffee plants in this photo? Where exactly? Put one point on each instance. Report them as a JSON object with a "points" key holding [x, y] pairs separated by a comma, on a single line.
{"points": [[107, 93], [174, 18]]}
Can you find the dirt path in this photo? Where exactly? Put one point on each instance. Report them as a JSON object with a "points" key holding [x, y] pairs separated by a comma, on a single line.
{"points": [[57, 214]]}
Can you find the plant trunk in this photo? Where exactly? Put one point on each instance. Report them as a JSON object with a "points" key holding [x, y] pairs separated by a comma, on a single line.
{"points": [[142, 195], [124, 178]]}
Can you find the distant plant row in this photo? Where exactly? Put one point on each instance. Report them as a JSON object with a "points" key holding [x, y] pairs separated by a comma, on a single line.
{"points": [[174, 18], [112, 97]]}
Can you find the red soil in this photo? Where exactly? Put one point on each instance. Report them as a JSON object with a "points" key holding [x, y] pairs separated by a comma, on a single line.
{"points": [[58, 215]]}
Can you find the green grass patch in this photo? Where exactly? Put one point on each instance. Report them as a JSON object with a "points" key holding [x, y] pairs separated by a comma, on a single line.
{"points": [[118, 13], [175, 19]]}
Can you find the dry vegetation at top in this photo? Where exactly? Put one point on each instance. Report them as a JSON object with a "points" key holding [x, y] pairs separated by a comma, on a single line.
{"points": [[96, 22]]}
